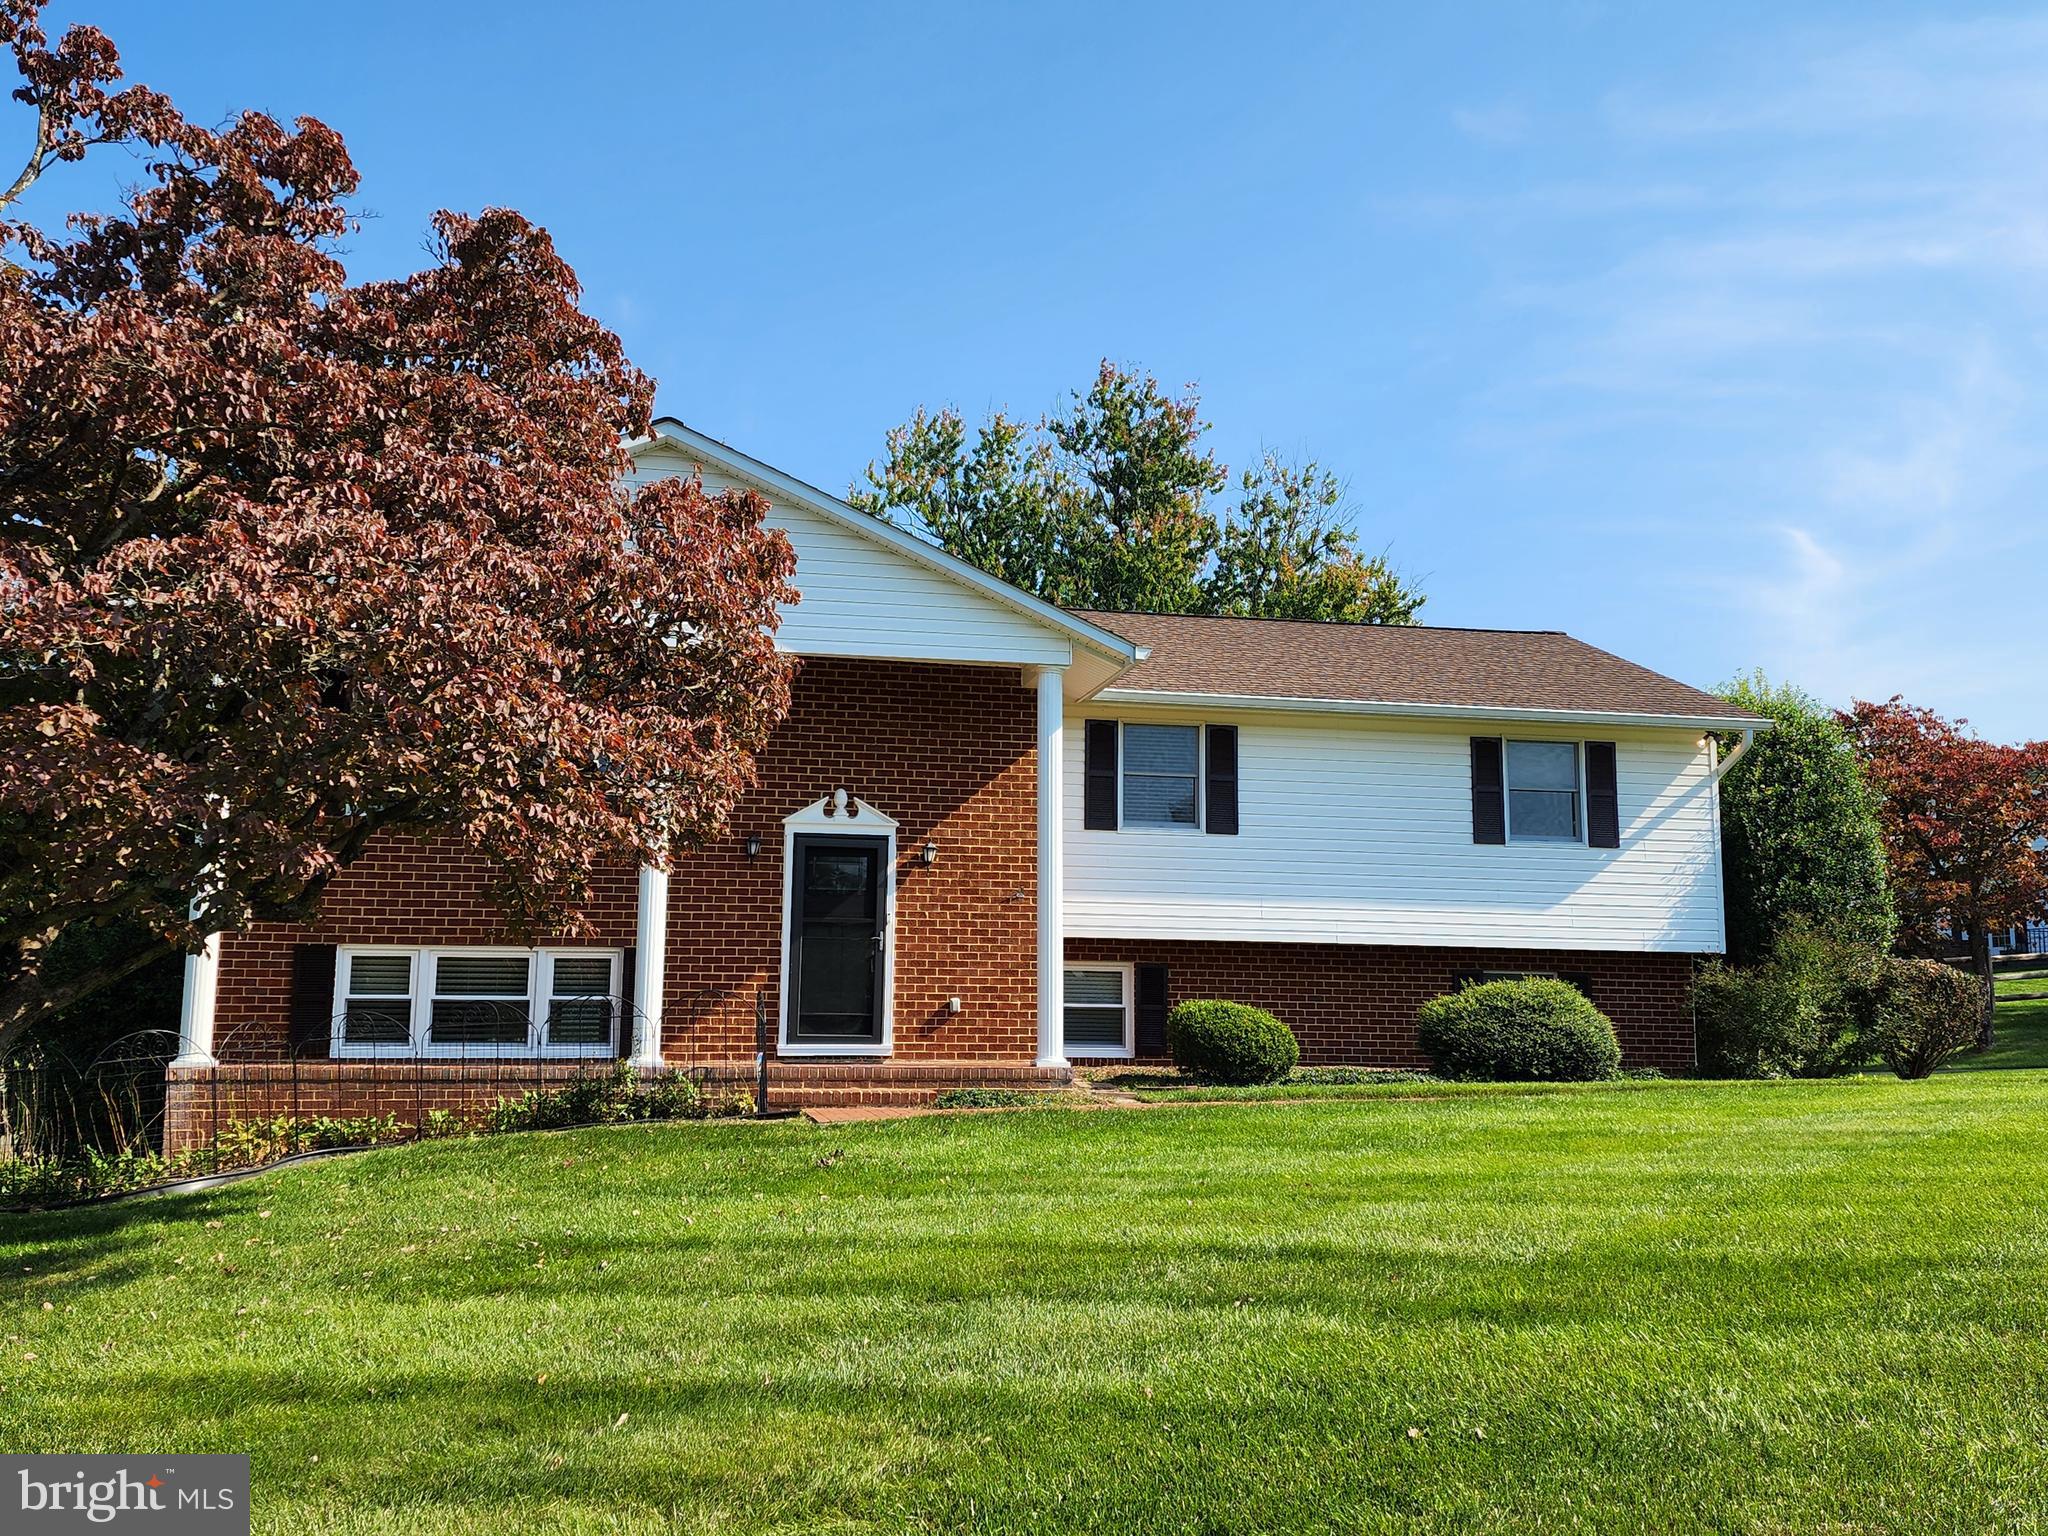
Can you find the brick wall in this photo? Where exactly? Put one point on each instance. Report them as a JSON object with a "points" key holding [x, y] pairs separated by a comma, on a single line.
{"points": [[1355, 1004], [948, 752]]}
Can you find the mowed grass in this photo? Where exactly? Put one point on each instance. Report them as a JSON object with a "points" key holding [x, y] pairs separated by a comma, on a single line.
{"points": [[1763, 1307], [2019, 1037]]}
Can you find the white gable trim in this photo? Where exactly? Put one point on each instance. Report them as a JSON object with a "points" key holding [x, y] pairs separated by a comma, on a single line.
{"points": [[1112, 648]]}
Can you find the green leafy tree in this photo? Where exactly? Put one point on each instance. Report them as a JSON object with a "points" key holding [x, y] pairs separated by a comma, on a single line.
{"points": [[1287, 553], [1114, 502], [1800, 829]]}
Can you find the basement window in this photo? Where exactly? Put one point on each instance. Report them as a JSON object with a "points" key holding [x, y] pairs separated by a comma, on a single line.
{"points": [[1096, 1017], [449, 1002]]}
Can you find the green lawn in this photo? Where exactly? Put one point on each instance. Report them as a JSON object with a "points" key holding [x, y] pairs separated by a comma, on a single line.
{"points": [[1767, 1307], [2021, 1038]]}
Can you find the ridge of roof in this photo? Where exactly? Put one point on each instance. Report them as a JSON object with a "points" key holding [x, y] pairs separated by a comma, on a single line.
{"points": [[1346, 624]]}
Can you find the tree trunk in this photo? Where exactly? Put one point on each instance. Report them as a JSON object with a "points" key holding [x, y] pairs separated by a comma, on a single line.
{"points": [[1980, 959]]}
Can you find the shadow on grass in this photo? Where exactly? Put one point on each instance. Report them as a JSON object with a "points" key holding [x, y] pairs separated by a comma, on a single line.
{"points": [[2022, 1039]]}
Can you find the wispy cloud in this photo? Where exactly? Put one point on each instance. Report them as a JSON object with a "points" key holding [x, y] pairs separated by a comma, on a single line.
{"points": [[1838, 353], [1501, 123]]}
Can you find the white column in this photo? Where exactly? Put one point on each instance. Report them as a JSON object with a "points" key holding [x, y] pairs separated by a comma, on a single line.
{"points": [[1052, 736], [649, 968], [195, 1012]]}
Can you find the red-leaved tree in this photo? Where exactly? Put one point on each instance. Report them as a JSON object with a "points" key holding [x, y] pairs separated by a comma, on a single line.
{"points": [[1964, 822], [286, 561]]}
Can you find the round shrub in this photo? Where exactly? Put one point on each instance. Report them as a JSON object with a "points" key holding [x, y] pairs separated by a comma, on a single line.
{"points": [[1534, 1031], [1926, 1012], [1230, 1043]]}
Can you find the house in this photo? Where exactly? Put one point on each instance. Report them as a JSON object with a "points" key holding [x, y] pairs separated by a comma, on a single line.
{"points": [[994, 838]]}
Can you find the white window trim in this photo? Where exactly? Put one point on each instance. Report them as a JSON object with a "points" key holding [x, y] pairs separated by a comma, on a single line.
{"points": [[812, 821], [1507, 794], [1123, 769], [1104, 1052], [540, 972]]}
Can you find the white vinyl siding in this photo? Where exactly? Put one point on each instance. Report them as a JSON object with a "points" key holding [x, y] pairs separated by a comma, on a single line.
{"points": [[396, 1001], [862, 598], [1359, 831]]}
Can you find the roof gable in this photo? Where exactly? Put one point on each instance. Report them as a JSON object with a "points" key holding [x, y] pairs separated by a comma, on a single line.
{"points": [[871, 589]]}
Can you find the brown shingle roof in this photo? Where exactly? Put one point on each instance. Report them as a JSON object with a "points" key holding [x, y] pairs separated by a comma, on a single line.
{"points": [[1503, 669]]}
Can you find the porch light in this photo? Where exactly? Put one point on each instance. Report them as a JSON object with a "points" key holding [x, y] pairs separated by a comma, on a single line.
{"points": [[929, 854], [754, 845]]}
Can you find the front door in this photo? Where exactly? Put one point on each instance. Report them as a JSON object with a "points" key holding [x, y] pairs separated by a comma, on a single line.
{"points": [[838, 932]]}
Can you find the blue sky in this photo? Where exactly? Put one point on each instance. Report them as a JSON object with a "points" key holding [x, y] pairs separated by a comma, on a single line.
{"points": [[1712, 334]]}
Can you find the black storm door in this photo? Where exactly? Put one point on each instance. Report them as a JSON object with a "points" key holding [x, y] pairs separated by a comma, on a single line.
{"points": [[838, 929]]}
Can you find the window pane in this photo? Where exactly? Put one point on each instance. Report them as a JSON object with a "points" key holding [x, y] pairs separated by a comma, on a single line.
{"points": [[580, 1021], [1095, 987], [479, 1023], [379, 975], [377, 1023], [583, 976], [1543, 813], [1543, 765], [1095, 1026], [1158, 802], [481, 976], [1160, 749]]}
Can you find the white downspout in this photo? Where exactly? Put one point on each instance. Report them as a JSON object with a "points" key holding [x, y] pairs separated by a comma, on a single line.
{"points": [[1721, 768]]}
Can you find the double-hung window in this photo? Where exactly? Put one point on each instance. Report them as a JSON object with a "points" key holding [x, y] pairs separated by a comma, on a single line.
{"points": [[1162, 776], [476, 1002], [377, 997], [1543, 791], [1097, 1011]]}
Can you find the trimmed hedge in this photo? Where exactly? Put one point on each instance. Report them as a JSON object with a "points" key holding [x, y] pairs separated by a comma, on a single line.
{"points": [[1234, 1043], [1537, 1030]]}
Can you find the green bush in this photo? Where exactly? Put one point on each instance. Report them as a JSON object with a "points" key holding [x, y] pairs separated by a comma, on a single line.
{"points": [[1925, 1012], [1230, 1043], [1805, 1011], [607, 1099], [1534, 1030], [1799, 829]]}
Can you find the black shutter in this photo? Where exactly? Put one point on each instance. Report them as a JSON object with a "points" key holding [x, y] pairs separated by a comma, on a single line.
{"points": [[1151, 1005], [1098, 808], [1603, 800], [1460, 980], [1220, 791], [628, 967], [1489, 797], [311, 1021]]}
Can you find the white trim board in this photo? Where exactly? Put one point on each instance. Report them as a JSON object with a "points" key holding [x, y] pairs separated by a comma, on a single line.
{"points": [[1472, 712], [865, 821]]}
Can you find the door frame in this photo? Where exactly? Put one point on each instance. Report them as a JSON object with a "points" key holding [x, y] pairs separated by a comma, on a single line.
{"points": [[856, 820]]}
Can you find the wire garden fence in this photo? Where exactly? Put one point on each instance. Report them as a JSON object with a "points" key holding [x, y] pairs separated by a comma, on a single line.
{"points": [[128, 1100]]}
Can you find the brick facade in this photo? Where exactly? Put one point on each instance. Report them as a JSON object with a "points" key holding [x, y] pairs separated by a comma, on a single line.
{"points": [[1355, 1004], [948, 752]]}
